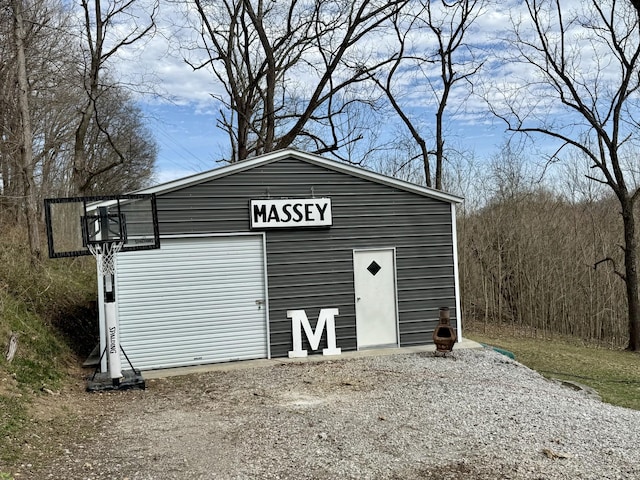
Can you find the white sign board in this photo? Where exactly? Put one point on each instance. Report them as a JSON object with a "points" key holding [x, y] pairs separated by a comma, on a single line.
{"points": [[290, 213]]}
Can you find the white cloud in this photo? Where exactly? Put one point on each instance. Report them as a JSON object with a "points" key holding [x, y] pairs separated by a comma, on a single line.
{"points": [[157, 62]]}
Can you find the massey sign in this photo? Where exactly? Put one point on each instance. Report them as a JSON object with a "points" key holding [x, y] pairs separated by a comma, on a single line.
{"points": [[290, 213]]}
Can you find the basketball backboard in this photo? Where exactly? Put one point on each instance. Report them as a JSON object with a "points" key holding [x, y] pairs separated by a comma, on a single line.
{"points": [[73, 224]]}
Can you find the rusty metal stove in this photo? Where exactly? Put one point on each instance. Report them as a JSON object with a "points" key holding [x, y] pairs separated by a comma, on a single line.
{"points": [[444, 335]]}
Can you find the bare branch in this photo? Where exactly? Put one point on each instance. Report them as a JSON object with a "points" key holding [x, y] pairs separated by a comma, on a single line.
{"points": [[613, 263], [448, 23], [283, 63], [99, 25]]}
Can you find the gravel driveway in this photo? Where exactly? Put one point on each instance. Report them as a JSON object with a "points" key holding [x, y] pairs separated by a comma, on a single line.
{"points": [[407, 416]]}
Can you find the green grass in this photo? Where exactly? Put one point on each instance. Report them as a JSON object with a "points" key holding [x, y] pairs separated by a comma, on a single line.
{"points": [[41, 352], [13, 422], [39, 362], [614, 374], [38, 302]]}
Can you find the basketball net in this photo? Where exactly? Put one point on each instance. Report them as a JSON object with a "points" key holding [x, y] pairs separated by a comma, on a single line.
{"points": [[105, 255]]}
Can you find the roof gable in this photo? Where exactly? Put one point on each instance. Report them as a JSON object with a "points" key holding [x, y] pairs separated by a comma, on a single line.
{"points": [[305, 157]]}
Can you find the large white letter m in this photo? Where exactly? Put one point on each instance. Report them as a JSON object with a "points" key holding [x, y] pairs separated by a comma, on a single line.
{"points": [[325, 317]]}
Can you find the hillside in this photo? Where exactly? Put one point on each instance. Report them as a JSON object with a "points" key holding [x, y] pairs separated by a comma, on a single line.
{"points": [[48, 306]]}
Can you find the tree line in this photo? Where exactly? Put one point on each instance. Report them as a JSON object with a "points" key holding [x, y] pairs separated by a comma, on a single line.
{"points": [[535, 254], [530, 262]]}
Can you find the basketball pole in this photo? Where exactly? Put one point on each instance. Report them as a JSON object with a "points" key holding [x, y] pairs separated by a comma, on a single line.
{"points": [[112, 329], [111, 319]]}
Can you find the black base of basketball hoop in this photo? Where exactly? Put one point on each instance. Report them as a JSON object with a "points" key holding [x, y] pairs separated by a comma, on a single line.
{"points": [[101, 382]]}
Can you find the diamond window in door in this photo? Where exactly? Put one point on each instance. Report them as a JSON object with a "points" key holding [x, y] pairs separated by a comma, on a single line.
{"points": [[374, 268]]}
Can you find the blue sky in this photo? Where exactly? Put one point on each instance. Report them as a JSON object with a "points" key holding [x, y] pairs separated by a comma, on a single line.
{"points": [[187, 138], [189, 141]]}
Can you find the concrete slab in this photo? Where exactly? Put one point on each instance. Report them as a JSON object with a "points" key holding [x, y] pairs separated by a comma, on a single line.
{"points": [[227, 366]]}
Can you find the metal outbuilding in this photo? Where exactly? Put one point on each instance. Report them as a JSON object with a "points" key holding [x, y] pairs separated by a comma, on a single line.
{"points": [[287, 248]]}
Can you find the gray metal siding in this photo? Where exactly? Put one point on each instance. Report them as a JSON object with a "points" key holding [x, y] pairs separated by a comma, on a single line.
{"points": [[313, 268]]}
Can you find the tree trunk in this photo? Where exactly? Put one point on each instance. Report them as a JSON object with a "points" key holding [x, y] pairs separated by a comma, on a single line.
{"points": [[631, 274], [440, 142], [26, 144], [79, 169], [447, 81]]}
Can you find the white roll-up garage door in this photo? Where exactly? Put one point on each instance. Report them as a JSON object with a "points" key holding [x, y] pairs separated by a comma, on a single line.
{"points": [[193, 301]]}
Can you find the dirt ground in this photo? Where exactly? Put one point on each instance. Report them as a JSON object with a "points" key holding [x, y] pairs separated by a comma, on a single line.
{"points": [[396, 417], [201, 426]]}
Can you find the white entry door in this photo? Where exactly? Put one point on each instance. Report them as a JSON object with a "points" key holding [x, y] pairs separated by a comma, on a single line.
{"points": [[375, 289]]}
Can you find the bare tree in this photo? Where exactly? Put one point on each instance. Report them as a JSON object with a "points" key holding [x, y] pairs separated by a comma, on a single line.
{"points": [[119, 151], [101, 25], [8, 114], [124, 160], [446, 24], [49, 64], [26, 140], [284, 64], [585, 65], [511, 276]]}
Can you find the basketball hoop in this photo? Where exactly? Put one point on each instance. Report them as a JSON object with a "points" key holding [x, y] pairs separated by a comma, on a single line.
{"points": [[105, 255], [103, 226]]}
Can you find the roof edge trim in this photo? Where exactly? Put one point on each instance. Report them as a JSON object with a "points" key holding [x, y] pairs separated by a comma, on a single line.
{"points": [[311, 158]]}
